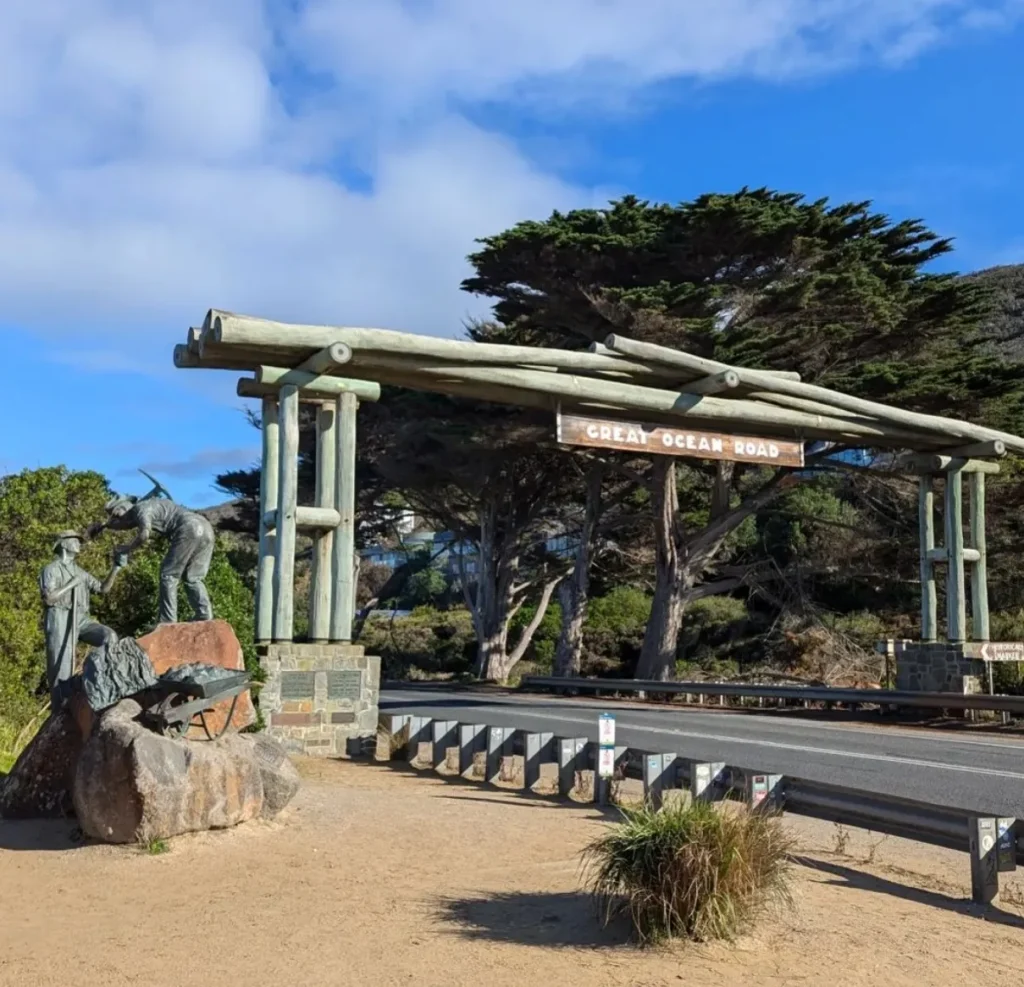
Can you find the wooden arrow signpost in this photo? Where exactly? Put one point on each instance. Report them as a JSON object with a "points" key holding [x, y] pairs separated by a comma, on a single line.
{"points": [[610, 433], [1002, 651]]}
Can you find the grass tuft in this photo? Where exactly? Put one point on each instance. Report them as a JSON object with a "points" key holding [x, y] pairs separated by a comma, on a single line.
{"points": [[155, 846], [689, 871]]}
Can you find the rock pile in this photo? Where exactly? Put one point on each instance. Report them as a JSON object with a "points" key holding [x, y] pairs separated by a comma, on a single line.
{"points": [[126, 783]]}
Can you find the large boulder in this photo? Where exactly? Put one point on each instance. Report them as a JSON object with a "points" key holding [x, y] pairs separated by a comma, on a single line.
{"points": [[39, 783], [133, 785], [208, 642], [279, 776]]}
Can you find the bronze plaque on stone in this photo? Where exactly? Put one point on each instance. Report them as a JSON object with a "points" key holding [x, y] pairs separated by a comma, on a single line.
{"points": [[344, 685], [298, 685]]}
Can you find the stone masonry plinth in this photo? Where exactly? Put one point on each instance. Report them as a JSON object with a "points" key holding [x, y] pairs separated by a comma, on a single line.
{"points": [[938, 666], [319, 697]]}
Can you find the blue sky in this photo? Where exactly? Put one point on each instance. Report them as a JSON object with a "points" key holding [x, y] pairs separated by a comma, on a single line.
{"points": [[333, 160]]}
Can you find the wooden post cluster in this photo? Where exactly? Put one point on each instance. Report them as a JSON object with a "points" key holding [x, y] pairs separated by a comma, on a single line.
{"points": [[957, 553], [330, 521]]}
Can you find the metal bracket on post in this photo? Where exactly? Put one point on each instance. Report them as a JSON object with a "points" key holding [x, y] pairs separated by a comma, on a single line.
{"points": [[536, 751], [472, 741], [419, 733], [707, 780], [984, 835], [392, 724], [499, 746], [571, 751], [762, 790], [445, 734], [659, 774], [1006, 844], [603, 779]]}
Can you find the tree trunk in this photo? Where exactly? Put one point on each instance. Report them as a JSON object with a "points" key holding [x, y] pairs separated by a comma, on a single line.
{"points": [[658, 653], [530, 629], [680, 563], [573, 592]]}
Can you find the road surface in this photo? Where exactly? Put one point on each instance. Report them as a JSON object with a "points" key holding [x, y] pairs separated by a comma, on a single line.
{"points": [[975, 774]]}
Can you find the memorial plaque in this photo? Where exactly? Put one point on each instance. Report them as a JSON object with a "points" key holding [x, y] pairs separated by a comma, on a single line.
{"points": [[298, 685], [609, 433], [344, 685]]}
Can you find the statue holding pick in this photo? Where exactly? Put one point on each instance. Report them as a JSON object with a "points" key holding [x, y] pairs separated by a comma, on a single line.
{"points": [[65, 588], [188, 557]]}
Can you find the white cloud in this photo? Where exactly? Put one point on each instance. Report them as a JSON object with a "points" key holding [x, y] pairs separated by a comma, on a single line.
{"points": [[158, 157]]}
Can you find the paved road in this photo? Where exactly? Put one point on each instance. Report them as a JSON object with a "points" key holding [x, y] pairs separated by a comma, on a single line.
{"points": [[979, 774]]}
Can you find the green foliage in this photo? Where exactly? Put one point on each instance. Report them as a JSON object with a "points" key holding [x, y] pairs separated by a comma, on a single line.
{"points": [[132, 606], [545, 638], [428, 640], [34, 506], [155, 847], [625, 610], [694, 871], [613, 629], [424, 588]]}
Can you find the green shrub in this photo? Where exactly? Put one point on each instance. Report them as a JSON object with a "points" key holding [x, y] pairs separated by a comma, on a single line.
{"points": [[692, 871], [541, 651], [613, 630], [433, 641]]}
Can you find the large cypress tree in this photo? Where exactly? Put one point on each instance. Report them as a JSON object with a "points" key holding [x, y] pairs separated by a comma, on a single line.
{"points": [[839, 293]]}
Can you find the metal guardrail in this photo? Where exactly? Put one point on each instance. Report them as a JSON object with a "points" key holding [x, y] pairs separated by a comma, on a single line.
{"points": [[994, 844], [1013, 705]]}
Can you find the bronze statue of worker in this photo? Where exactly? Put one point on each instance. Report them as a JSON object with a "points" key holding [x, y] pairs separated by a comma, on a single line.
{"points": [[188, 555], [65, 588]]}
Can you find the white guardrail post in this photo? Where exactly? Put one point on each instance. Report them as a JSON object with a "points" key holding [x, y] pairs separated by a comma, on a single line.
{"points": [[537, 750]]}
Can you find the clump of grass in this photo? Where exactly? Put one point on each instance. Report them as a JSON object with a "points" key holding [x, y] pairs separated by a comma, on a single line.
{"points": [[689, 871], [155, 846]]}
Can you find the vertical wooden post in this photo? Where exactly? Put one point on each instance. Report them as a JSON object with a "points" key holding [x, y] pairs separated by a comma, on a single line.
{"points": [[321, 581], [269, 467], [926, 528], [287, 501], [956, 597], [979, 569], [343, 561]]}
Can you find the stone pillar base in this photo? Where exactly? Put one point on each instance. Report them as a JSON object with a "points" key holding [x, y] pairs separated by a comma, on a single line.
{"points": [[319, 698], [938, 666]]}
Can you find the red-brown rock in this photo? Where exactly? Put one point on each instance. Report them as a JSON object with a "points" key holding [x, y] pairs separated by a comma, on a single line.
{"points": [[39, 785], [211, 642]]}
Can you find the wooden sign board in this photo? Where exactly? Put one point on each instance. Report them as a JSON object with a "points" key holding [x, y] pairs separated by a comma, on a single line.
{"points": [[1002, 651], [610, 433]]}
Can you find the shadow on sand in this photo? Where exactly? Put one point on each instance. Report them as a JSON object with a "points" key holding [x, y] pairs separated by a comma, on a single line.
{"points": [[560, 920], [851, 878]]}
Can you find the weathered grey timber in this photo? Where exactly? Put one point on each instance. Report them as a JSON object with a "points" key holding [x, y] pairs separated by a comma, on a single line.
{"points": [[343, 555], [979, 566], [268, 497], [898, 417], [65, 588], [321, 577], [926, 524], [287, 490], [190, 551], [617, 379]]}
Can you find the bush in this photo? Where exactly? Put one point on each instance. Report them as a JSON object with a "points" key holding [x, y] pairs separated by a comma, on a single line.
{"points": [[689, 871], [541, 651], [614, 627], [433, 641]]}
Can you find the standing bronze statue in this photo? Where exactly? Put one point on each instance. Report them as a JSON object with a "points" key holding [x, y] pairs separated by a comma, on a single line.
{"points": [[65, 588], [188, 556]]}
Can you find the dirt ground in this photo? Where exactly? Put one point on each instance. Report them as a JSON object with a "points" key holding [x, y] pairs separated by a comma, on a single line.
{"points": [[379, 876]]}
